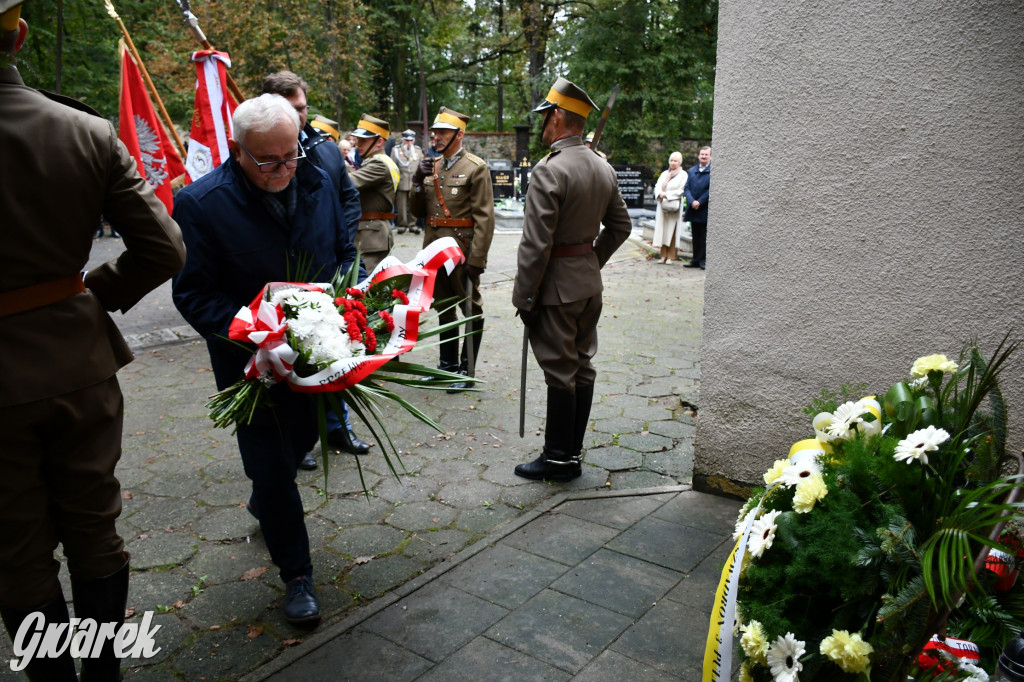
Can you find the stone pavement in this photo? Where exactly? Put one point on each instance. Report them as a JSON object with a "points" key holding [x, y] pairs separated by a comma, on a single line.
{"points": [[561, 555]]}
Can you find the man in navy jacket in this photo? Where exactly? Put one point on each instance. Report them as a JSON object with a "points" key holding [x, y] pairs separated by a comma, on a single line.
{"points": [[249, 222], [698, 183]]}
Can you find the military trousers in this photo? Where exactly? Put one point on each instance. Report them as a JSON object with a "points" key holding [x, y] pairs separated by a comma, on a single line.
{"points": [[564, 341]]}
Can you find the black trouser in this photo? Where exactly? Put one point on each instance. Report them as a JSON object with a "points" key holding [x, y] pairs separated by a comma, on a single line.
{"points": [[700, 238]]}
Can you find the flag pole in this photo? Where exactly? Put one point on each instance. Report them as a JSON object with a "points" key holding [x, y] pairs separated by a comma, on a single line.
{"points": [[193, 23], [145, 74]]}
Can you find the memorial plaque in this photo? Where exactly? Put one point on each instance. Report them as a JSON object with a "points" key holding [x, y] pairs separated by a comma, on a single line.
{"points": [[503, 183], [631, 184]]}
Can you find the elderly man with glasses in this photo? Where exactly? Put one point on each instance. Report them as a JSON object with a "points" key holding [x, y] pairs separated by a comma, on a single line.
{"points": [[254, 220]]}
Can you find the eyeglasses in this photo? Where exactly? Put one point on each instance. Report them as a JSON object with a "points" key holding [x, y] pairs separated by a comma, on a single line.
{"points": [[271, 166]]}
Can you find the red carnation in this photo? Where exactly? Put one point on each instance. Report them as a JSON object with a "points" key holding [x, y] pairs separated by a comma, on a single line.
{"points": [[400, 295], [371, 340], [355, 293], [389, 322], [360, 306]]}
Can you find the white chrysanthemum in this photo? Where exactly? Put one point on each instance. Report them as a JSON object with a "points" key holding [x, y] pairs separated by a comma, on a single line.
{"points": [[741, 524], [784, 658], [762, 534], [919, 383], [282, 293], [846, 418], [918, 444], [318, 327], [800, 471]]}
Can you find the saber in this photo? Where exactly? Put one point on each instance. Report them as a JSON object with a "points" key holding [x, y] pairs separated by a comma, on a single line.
{"points": [[604, 116], [522, 381], [470, 341]]}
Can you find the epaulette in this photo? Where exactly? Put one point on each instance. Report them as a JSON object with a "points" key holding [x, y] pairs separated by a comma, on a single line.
{"points": [[475, 159], [70, 102]]}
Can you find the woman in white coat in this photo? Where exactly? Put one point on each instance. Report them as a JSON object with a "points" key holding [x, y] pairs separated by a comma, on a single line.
{"points": [[669, 192]]}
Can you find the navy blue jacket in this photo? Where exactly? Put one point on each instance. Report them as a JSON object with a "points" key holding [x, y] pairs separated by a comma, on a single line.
{"points": [[235, 246], [697, 185], [325, 154]]}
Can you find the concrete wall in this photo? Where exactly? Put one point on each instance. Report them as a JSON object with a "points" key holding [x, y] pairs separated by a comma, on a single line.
{"points": [[867, 201]]}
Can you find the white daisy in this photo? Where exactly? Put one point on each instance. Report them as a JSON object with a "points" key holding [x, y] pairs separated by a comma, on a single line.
{"points": [[784, 658], [918, 444], [762, 534], [799, 471], [845, 419]]}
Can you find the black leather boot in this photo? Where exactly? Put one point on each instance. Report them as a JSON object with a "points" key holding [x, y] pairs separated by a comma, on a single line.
{"points": [[476, 326], [556, 462], [584, 399], [103, 600], [449, 353], [60, 669]]}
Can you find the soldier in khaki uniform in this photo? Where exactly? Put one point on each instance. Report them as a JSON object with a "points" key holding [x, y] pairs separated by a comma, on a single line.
{"points": [[407, 157], [453, 192], [557, 291], [377, 180]]}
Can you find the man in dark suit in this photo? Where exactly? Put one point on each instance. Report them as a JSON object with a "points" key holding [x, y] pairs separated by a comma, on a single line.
{"points": [[251, 221], [61, 409], [326, 156], [698, 185], [557, 292]]}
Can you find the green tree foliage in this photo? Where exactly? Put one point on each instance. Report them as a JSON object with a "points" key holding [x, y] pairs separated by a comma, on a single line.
{"points": [[493, 59]]}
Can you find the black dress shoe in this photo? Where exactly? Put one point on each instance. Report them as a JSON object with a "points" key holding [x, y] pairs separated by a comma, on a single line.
{"points": [[400, 230], [415, 230], [250, 506], [544, 469], [308, 462], [344, 439], [98, 234], [300, 602], [691, 265], [459, 386]]}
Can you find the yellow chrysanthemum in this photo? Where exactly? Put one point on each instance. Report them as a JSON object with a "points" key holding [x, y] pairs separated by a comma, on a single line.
{"points": [[808, 492], [775, 472], [849, 652], [930, 363], [745, 675], [754, 642]]}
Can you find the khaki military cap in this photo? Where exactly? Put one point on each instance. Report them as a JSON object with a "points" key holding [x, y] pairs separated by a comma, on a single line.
{"points": [[10, 12], [370, 126], [566, 95], [326, 126], [449, 119], [408, 135]]}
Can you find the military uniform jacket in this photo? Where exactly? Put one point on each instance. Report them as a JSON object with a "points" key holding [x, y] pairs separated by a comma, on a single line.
{"points": [[407, 161], [61, 169], [466, 188], [572, 192], [376, 179]]}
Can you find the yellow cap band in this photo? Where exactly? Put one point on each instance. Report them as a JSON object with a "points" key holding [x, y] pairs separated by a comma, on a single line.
{"points": [[330, 130], [572, 104], [374, 128], [9, 19], [445, 117]]}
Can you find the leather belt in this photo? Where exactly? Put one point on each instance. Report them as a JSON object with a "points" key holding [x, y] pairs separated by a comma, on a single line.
{"points": [[39, 295], [450, 222], [378, 216], [571, 250]]}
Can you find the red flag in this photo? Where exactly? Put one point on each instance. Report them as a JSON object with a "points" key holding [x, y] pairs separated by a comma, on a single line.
{"points": [[141, 132], [211, 118]]}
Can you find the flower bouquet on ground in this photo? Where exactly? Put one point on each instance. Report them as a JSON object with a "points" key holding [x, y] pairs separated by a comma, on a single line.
{"points": [[341, 339], [874, 536]]}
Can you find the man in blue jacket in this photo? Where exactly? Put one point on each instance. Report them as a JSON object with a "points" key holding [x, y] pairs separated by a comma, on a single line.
{"points": [[249, 222], [698, 183]]}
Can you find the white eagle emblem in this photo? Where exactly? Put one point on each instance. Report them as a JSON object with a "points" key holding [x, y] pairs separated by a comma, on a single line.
{"points": [[153, 161]]}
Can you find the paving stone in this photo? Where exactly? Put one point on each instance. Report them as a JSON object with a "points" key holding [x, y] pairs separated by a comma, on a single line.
{"points": [[226, 523], [173, 630], [600, 579], [408, 489], [676, 463], [662, 638], [228, 562], [566, 540], [485, 519], [469, 494], [560, 630], [641, 442], [421, 516], [361, 541], [226, 494], [414, 621], [614, 667], [483, 659], [148, 589], [173, 485], [236, 602], [504, 575], [614, 458], [707, 512], [433, 546], [165, 513], [380, 575], [672, 428], [355, 510], [697, 590], [219, 654], [356, 654], [161, 549], [634, 480], [646, 540], [614, 512]]}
